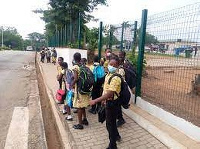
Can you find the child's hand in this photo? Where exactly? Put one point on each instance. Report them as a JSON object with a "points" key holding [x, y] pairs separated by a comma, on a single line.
{"points": [[92, 102]]}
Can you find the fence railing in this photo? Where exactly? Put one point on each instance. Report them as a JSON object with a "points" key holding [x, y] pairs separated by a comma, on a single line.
{"points": [[173, 62]]}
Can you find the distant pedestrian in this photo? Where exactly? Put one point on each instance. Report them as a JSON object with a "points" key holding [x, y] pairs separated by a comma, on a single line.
{"points": [[48, 55], [42, 55], [54, 56]]}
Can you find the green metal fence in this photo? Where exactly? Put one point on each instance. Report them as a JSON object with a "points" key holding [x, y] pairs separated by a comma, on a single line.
{"points": [[67, 35], [172, 53]]}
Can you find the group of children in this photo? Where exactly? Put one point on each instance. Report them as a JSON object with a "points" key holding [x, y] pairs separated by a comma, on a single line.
{"points": [[51, 55], [105, 91]]}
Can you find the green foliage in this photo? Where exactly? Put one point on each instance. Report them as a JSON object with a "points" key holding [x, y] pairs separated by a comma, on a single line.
{"points": [[12, 39], [149, 38], [133, 57], [92, 38], [36, 40], [66, 12], [4, 48]]}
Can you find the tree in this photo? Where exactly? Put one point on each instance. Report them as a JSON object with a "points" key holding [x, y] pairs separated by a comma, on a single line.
{"points": [[66, 13], [12, 38], [37, 39], [149, 38]]}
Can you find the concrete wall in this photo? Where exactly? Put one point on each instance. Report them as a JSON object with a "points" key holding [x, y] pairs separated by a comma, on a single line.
{"points": [[180, 124], [68, 53]]}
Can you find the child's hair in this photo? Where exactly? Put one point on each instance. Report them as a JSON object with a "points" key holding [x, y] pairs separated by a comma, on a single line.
{"points": [[83, 60], [61, 58], [114, 57], [64, 65], [96, 58], [77, 57]]}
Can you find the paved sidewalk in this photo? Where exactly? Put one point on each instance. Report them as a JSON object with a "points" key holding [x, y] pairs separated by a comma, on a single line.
{"points": [[95, 136]]}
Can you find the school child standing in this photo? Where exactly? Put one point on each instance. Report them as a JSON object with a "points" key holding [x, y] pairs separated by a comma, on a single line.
{"points": [[99, 77], [112, 86], [81, 101]]}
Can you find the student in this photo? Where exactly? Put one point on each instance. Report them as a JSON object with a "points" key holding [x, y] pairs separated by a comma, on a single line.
{"points": [[59, 75], [109, 95], [42, 54], [81, 101], [66, 108], [48, 55], [120, 119], [83, 61], [99, 75], [54, 56], [105, 60]]}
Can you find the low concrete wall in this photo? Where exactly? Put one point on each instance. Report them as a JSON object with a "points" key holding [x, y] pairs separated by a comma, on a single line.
{"points": [[68, 53], [180, 124]]}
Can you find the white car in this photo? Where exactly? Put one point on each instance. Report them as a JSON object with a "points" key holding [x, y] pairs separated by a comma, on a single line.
{"points": [[29, 48]]}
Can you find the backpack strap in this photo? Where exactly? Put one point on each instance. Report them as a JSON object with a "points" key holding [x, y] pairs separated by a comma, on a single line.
{"points": [[115, 74]]}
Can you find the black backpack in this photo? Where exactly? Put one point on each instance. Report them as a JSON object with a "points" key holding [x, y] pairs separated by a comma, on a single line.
{"points": [[85, 81], [130, 74], [124, 95]]}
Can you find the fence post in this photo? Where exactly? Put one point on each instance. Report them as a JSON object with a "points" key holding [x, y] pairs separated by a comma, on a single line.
{"points": [[79, 30], [141, 53], [61, 37], [100, 39], [122, 37], [135, 35], [111, 37]]}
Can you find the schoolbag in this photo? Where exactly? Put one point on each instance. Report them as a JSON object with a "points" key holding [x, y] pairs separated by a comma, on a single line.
{"points": [[69, 78], [98, 72], [60, 96], [124, 95], [130, 74], [85, 81]]}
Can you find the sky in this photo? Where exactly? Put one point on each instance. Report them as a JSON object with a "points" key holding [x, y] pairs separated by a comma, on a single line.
{"points": [[18, 13]]}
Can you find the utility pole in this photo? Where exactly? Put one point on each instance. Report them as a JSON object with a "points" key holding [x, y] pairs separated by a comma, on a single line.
{"points": [[2, 36]]}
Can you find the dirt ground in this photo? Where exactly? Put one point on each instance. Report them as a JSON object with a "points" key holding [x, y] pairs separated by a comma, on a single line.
{"points": [[171, 89]]}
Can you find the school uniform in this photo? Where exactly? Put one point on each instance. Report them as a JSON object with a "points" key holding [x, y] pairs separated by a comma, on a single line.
{"points": [[111, 108]]}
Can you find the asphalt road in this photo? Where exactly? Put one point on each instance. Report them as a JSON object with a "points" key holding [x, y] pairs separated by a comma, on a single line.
{"points": [[16, 75]]}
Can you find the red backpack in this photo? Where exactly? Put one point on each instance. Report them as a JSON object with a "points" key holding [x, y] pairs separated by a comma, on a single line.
{"points": [[60, 96]]}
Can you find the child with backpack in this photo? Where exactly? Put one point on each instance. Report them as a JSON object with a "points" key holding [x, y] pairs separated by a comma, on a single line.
{"points": [[111, 92], [67, 78], [81, 98], [99, 77]]}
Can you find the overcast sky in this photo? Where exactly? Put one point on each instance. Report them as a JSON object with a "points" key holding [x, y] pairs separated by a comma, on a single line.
{"points": [[18, 13]]}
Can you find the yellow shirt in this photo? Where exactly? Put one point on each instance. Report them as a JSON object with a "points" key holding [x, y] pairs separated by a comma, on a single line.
{"points": [[106, 64], [59, 69], [121, 72], [115, 85]]}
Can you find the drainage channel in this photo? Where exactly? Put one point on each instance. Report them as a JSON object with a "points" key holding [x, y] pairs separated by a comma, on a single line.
{"points": [[51, 131]]}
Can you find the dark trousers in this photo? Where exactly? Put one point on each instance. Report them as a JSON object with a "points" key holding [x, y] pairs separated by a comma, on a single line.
{"points": [[119, 112], [111, 115], [96, 93]]}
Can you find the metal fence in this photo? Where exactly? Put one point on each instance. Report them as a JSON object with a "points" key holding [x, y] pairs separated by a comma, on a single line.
{"points": [[172, 53], [169, 44]]}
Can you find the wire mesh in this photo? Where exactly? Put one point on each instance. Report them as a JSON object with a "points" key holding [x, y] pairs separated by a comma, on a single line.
{"points": [[122, 36], [172, 53]]}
